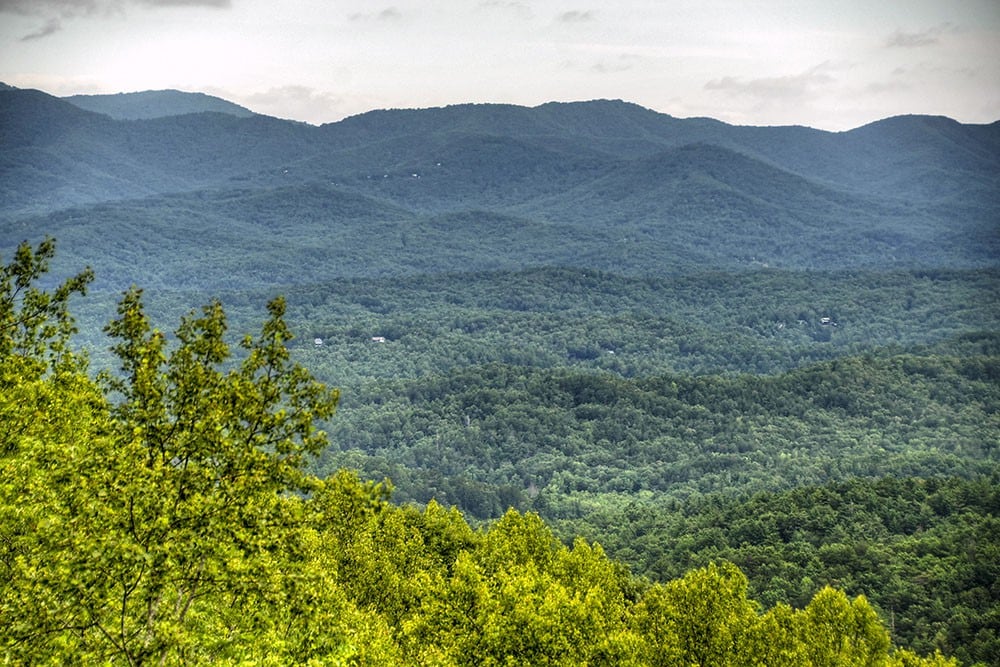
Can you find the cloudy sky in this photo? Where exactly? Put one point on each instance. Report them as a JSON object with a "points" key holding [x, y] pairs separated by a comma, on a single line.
{"points": [[831, 64]]}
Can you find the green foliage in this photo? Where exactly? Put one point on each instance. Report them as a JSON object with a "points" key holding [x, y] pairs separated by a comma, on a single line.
{"points": [[35, 323], [149, 529], [705, 618], [562, 438], [922, 551], [699, 619], [166, 518], [572, 297], [843, 632], [759, 322], [520, 598], [184, 409]]}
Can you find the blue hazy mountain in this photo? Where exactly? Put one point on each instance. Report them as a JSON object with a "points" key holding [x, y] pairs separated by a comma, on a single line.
{"points": [[605, 184], [156, 104]]}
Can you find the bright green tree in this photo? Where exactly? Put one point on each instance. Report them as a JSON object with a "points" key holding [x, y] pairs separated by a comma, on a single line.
{"points": [[50, 414], [701, 619], [842, 632], [163, 528], [35, 324]]}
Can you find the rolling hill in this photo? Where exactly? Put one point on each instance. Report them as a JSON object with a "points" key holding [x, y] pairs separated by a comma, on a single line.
{"points": [[613, 185], [156, 104]]}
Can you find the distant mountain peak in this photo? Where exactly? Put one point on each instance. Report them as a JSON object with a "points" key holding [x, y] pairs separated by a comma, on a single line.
{"points": [[150, 104]]}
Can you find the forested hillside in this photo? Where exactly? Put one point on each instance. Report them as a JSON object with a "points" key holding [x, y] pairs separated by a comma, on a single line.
{"points": [[926, 551], [162, 515], [692, 343], [155, 104], [623, 186], [571, 441]]}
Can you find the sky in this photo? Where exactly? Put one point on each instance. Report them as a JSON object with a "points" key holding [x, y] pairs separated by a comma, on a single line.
{"points": [[828, 64]]}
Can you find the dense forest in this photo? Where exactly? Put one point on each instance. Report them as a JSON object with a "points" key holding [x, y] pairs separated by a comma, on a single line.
{"points": [[612, 387], [162, 514], [925, 551], [561, 439]]}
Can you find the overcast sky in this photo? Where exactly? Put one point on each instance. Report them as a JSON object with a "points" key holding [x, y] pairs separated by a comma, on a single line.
{"points": [[831, 64]]}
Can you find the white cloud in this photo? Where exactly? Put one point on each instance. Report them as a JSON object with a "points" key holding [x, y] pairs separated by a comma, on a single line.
{"points": [[294, 101], [777, 88], [623, 63], [518, 9], [81, 7]]}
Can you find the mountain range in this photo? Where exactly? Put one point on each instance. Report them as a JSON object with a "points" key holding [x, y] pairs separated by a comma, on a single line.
{"points": [[602, 184]]}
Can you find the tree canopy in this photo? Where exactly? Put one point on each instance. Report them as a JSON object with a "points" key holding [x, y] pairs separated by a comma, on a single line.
{"points": [[163, 515]]}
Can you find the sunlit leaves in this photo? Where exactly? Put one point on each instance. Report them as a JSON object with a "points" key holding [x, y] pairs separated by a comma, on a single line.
{"points": [[164, 518], [839, 631], [699, 619], [36, 323]]}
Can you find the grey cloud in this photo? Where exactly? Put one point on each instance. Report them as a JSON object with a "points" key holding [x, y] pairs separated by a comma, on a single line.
{"points": [[770, 88], [387, 14], [54, 12], [51, 26], [53, 7], [915, 40], [517, 8], [576, 16], [222, 4], [70, 8]]}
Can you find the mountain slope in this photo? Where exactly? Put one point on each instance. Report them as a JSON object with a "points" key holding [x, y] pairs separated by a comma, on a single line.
{"points": [[58, 155], [156, 104], [604, 184], [904, 157], [728, 208]]}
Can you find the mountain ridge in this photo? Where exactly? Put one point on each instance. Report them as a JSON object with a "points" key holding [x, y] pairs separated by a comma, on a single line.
{"points": [[148, 104], [624, 186]]}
